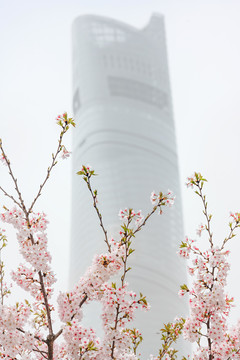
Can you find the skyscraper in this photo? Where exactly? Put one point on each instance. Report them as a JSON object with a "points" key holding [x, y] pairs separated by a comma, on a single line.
{"points": [[125, 130]]}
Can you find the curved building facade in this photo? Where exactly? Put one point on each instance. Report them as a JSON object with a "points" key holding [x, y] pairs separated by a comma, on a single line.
{"points": [[125, 130]]}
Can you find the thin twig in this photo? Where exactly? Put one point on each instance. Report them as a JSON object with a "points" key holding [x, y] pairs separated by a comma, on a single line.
{"points": [[81, 304], [11, 197], [205, 212], [54, 157], [94, 197], [22, 206], [40, 351], [146, 219], [229, 236], [35, 337]]}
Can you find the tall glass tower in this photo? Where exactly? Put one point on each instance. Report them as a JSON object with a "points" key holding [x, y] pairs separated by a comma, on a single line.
{"points": [[125, 130]]}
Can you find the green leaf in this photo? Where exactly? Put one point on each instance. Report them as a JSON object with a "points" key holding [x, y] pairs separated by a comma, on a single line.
{"points": [[183, 245], [184, 287]]}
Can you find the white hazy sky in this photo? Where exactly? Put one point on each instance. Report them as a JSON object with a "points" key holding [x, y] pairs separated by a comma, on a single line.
{"points": [[203, 40]]}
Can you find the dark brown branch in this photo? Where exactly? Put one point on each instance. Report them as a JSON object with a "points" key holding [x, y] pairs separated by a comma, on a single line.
{"points": [[46, 303], [81, 304], [115, 328]]}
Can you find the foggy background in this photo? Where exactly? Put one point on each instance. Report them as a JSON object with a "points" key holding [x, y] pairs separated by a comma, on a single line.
{"points": [[35, 86]]}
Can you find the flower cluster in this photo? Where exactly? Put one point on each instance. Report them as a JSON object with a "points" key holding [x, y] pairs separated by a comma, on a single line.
{"points": [[31, 236], [186, 247], [86, 171], [13, 318], [235, 217], [209, 304], [64, 121], [80, 342], [28, 279], [200, 229], [195, 180], [130, 214], [161, 199], [65, 153]]}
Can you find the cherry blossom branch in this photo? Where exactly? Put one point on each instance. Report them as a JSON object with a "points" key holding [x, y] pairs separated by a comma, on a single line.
{"points": [[198, 180], [129, 233], [43, 290], [64, 122], [170, 334], [209, 304], [126, 243], [233, 226], [50, 338], [105, 262], [126, 235], [136, 338]]}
